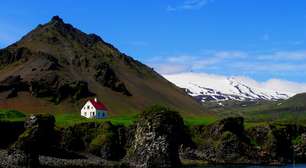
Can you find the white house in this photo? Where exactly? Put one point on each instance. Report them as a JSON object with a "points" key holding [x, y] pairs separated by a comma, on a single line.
{"points": [[94, 109]]}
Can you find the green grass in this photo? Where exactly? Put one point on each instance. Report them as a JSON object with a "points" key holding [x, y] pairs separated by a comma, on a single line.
{"points": [[190, 121], [11, 115], [69, 119]]}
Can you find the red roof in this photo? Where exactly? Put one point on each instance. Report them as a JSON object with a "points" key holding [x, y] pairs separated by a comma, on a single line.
{"points": [[98, 105]]}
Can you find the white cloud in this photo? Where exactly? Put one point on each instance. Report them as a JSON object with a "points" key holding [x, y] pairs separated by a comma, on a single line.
{"points": [[268, 67], [172, 68], [190, 62], [187, 62], [275, 64], [189, 5], [286, 86], [284, 56]]}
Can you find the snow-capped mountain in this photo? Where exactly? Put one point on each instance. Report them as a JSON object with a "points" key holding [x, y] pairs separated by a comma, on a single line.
{"points": [[205, 87]]}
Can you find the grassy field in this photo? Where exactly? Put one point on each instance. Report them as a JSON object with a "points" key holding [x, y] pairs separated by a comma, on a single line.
{"points": [[69, 119], [291, 111], [11, 115], [189, 121]]}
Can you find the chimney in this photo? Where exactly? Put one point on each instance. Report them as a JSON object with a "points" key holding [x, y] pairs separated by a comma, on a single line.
{"points": [[96, 100]]}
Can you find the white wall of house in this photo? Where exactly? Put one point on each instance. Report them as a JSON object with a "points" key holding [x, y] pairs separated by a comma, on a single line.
{"points": [[89, 111]]}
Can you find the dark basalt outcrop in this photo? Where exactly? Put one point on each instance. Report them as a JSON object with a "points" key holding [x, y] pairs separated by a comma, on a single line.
{"points": [[79, 136], [158, 139], [49, 85], [229, 142], [107, 77], [107, 143], [10, 56], [158, 134], [222, 142], [10, 131], [38, 138], [299, 148], [103, 140], [13, 84]]}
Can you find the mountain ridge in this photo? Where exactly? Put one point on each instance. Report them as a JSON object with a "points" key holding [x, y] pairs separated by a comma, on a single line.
{"points": [[216, 88]]}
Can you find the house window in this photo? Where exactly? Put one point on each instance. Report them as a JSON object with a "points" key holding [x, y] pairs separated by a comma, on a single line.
{"points": [[102, 114], [88, 107], [85, 114]]}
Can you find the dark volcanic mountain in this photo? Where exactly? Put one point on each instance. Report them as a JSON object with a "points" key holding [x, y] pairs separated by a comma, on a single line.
{"points": [[56, 67]]}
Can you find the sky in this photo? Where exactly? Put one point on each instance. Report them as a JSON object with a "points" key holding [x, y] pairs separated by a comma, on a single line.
{"points": [[260, 39]]}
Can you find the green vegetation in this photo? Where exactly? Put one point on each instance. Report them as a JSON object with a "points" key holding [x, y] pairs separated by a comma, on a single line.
{"points": [[291, 111], [288, 111], [298, 140], [11, 115], [106, 144], [189, 121], [69, 119]]}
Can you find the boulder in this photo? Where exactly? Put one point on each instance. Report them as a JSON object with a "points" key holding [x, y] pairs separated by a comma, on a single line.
{"points": [[78, 137], [159, 132], [232, 124], [299, 145], [10, 131], [107, 145], [38, 138]]}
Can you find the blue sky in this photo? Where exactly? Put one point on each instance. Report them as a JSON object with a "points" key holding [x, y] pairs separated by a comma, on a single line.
{"points": [[260, 39]]}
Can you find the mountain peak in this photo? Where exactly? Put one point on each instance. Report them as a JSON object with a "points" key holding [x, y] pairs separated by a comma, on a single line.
{"points": [[205, 87], [58, 64], [57, 19]]}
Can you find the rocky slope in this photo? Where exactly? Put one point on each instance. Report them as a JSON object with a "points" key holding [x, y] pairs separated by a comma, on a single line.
{"points": [[56, 67], [216, 88]]}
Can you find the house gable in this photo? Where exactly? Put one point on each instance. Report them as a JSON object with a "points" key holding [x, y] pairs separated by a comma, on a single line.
{"points": [[94, 109], [88, 110]]}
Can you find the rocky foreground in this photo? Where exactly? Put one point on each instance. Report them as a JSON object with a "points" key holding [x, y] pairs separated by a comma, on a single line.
{"points": [[158, 139]]}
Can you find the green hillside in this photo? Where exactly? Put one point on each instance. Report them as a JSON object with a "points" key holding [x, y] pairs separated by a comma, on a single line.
{"points": [[291, 110]]}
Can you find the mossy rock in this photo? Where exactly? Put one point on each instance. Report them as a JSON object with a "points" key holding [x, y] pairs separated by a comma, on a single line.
{"points": [[39, 135], [10, 131], [79, 136], [106, 145], [159, 133]]}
